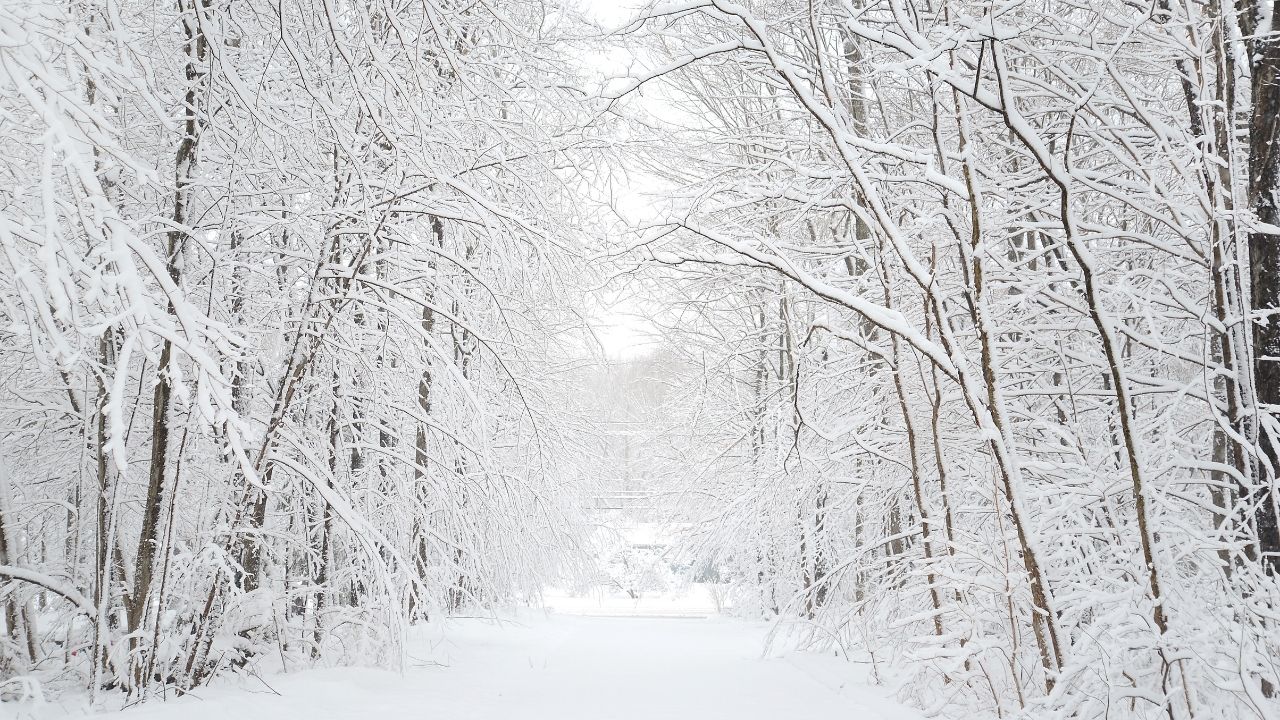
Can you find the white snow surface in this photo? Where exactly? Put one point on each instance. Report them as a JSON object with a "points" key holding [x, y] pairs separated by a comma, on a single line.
{"points": [[561, 667]]}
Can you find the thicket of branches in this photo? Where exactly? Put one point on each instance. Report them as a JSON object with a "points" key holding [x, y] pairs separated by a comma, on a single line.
{"points": [[276, 277], [982, 295], [973, 305]]}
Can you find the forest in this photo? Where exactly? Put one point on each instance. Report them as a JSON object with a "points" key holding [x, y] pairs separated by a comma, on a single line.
{"points": [[952, 330]]}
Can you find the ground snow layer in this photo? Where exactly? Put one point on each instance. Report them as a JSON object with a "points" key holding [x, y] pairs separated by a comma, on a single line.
{"points": [[563, 668]]}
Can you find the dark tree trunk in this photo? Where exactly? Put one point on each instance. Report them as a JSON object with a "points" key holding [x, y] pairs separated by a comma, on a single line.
{"points": [[184, 162], [421, 442], [1264, 253]]}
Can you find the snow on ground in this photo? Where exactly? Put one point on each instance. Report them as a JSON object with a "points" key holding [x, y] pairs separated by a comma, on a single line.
{"points": [[561, 667]]}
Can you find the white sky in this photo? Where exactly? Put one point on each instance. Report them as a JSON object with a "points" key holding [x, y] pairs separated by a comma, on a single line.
{"points": [[622, 333], [611, 12], [619, 325]]}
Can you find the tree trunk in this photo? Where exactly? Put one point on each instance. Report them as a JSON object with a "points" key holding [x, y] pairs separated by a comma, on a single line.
{"points": [[422, 435], [1264, 270], [184, 163]]}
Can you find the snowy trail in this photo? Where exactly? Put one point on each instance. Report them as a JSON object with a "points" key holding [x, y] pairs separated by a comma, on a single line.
{"points": [[566, 668]]}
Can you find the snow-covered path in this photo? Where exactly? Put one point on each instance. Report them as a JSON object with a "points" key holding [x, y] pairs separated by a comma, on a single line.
{"points": [[566, 668]]}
